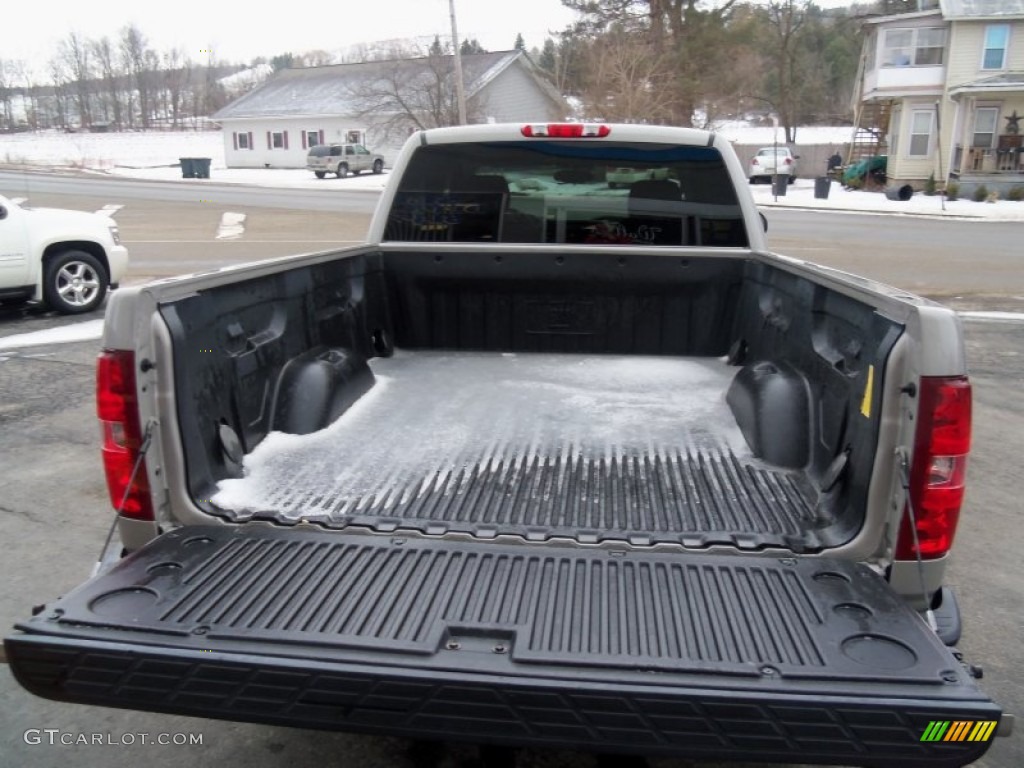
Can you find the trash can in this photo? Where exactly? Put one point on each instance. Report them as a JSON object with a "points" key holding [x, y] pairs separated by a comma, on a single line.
{"points": [[201, 167], [903, 193], [822, 185], [188, 169], [779, 184]]}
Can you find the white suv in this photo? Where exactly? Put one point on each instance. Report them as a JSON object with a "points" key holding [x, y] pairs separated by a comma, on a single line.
{"points": [[68, 259]]}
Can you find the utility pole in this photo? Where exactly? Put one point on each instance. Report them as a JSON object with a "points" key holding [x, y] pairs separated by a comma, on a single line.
{"points": [[460, 88]]}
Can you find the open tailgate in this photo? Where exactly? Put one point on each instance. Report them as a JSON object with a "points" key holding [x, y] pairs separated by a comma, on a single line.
{"points": [[699, 655]]}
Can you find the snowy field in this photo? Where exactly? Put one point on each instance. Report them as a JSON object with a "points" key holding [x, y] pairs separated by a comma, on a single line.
{"points": [[154, 156], [105, 151]]}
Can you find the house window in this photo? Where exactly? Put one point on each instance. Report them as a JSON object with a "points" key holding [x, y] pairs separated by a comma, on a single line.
{"points": [[921, 122], [242, 140], [897, 50], [997, 36], [277, 139], [931, 43], [921, 47], [312, 138], [985, 119]]}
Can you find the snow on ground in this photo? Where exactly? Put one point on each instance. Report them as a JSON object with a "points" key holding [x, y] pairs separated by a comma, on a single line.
{"points": [[743, 133], [104, 151], [993, 316], [87, 331], [801, 195], [290, 178], [155, 156]]}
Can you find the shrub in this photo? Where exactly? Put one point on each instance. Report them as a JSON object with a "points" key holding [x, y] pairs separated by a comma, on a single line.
{"points": [[980, 193], [1016, 193], [952, 191], [930, 186]]}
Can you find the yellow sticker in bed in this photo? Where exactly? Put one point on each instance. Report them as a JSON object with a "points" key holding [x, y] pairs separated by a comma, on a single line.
{"points": [[869, 386]]}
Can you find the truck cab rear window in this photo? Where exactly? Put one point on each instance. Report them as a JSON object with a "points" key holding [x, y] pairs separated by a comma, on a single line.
{"points": [[567, 192]]}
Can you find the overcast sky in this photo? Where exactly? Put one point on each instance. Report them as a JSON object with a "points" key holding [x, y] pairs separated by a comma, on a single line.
{"points": [[239, 32], [245, 30]]}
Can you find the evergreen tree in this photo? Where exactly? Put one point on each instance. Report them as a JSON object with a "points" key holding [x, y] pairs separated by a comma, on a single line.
{"points": [[471, 46], [282, 61], [548, 59]]}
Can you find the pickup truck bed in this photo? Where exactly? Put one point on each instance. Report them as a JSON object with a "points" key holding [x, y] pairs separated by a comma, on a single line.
{"points": [[709, 655], [537, 396], [591, 448]]}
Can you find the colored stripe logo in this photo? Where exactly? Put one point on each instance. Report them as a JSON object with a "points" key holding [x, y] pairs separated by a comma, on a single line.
{"points": [[959, 730]]}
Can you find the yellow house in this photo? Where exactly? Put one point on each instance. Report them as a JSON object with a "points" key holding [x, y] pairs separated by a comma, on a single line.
{"points": [[942, 93]]}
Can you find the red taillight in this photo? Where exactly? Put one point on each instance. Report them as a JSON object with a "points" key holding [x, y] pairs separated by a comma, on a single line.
{"points": [[565, 130], [941, 444], [754, 162], [788, 161], [118, 412]]}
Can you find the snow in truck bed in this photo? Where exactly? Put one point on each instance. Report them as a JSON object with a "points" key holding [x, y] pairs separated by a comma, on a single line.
{"points": [[539, 445]]}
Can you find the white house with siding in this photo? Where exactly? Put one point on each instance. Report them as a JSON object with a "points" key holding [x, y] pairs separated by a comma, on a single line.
{"points": [[941, 93], [275, 124]]}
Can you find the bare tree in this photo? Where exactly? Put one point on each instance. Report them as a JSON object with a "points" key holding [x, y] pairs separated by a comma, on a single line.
{"points": [[111, 99], [316, 58], [410, 91], [7, 76], [176, 74], [626, 80], [786, 19], [59, 80], [74, 51], [196, 98], [384, 50], [138, 58], [31, 89]]}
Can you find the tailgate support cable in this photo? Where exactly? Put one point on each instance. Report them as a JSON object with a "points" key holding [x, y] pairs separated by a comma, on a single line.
{"points": [[147, 440], [905, 482]]}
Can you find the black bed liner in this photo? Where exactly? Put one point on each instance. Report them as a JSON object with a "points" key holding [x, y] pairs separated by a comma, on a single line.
{"points": [[592, 448], [700, 655], [696, 498]]}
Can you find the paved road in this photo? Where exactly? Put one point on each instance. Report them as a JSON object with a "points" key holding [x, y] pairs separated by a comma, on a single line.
{"points": [[32, 184], [172, 228], [175, 237], [942, 258]]}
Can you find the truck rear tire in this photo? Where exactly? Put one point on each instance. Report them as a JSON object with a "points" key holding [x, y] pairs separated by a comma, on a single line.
{"points": [[74, 282], [378, 166], [319, 174]]}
